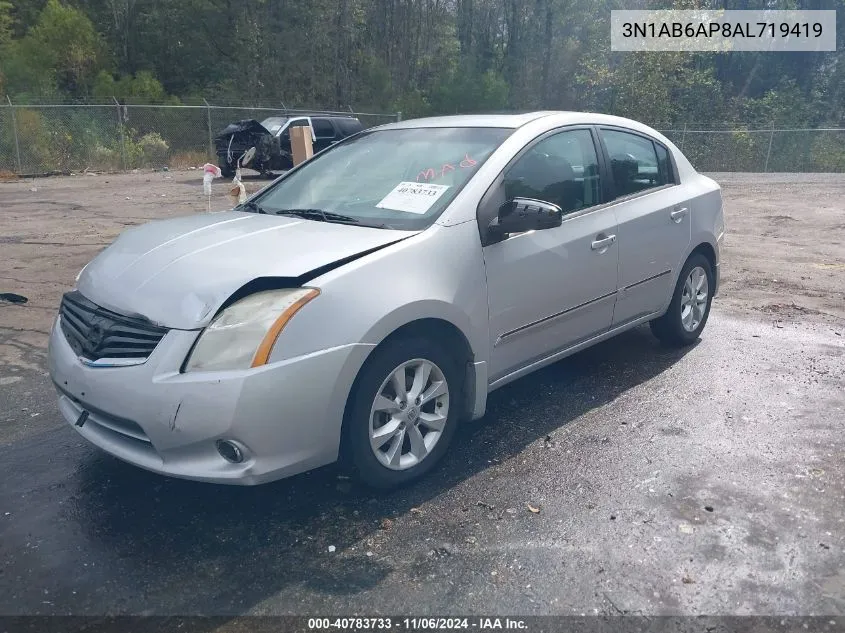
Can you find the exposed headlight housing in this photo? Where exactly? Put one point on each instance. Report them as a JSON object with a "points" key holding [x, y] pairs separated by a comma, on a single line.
{"points": [[243, 335]]}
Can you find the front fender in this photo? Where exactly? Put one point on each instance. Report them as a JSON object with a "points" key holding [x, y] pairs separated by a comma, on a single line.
{"points": [[438, 274]]}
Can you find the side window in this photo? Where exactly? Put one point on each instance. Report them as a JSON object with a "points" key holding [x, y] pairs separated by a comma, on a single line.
{"points": [[561, 169], [664, 165], [323, 128], [634, 162]]}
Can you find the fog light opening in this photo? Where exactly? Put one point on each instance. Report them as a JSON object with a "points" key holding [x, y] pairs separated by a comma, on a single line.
{"points": [[230, 451]]}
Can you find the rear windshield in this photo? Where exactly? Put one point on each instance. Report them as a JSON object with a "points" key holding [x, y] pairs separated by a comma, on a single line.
{"points": [[401, 179]]}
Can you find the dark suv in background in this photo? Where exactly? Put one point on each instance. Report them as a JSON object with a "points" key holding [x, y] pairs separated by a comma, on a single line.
{"points": [[271, 139]]}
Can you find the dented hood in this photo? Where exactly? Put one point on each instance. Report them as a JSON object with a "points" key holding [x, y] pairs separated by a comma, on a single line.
{"points": [[247, 125], [178, 272]]}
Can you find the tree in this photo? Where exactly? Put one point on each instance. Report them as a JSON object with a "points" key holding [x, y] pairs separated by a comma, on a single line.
{"points": [[61, 53]]}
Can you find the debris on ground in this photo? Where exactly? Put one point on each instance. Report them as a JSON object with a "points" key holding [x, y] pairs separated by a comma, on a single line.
{"points": [[687, 580], [686, 529], [708, 508], [417, 511], [332, 548], [386, 524], [488, 506], [533, 509], [11, 297], [824, 545]]}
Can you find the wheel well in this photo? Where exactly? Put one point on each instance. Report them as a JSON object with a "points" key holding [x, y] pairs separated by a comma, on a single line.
{"points": [[707, 250], [438, 330], [434, 329]]}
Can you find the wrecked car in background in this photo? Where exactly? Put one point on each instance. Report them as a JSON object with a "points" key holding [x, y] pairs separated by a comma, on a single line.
{"points": [[271, 140]]}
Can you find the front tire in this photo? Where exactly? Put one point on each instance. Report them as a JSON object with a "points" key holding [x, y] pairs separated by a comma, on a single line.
{"points": [[403, 412], [684, 320]]}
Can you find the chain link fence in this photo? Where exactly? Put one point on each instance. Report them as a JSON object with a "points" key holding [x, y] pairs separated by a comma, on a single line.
{"points": [[39, 139], [763, 150]]}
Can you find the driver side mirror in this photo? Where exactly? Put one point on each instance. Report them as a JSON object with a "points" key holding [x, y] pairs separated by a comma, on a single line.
{"points": [[524, 214]]}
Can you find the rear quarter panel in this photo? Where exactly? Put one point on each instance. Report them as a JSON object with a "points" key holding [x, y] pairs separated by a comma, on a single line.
{"points": [[706, 216]]}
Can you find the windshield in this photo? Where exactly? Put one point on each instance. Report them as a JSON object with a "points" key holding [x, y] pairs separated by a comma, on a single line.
{"points": [[400, 179], [274, 123]]}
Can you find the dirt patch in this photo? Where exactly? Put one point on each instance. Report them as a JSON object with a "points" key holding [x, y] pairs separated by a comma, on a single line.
{"points": [[781, 247]]}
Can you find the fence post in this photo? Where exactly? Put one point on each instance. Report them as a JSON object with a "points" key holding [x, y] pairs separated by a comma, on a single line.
{"points": [[120, 129], [15, 130], [210, 133], [683, 137], [769, 151], [399, 116]]}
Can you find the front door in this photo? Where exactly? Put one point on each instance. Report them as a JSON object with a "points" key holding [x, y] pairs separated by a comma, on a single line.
{"points": [[551, 289]]}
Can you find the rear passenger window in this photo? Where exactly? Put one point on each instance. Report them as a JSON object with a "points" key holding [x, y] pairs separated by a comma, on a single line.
{"points": [[635, 163]]}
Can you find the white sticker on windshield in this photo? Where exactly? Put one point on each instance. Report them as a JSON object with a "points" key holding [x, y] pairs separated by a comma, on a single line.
{"points": [[412, 197]]}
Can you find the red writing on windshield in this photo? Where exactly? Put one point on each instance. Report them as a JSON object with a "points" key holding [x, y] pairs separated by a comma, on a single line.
{"points": [[429, 174]]}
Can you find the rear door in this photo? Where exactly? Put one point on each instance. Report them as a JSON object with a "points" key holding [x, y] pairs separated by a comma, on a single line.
{"points": [[653, 217]]}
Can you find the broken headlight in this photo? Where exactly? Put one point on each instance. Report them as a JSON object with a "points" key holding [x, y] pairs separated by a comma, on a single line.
{"points": [[243, 334]]}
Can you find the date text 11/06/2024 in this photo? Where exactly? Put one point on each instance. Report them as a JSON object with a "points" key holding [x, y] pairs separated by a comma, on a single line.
{"points": [[416, 624]]}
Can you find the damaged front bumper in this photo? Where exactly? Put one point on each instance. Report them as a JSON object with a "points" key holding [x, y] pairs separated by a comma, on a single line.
{"points": [[285, 416]]}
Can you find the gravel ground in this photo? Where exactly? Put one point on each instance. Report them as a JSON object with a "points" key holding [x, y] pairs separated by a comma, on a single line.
{"points": [[704, 481]]}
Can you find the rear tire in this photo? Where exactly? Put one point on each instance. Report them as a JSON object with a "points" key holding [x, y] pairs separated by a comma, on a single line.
{"points": [[684, 320], [394, 436]]}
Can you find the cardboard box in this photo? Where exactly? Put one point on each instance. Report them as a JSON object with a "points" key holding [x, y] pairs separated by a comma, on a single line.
{"points": [[300, 144]]}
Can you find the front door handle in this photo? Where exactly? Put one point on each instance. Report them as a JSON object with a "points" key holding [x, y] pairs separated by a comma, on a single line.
{"points": [[678, 214], [602, 242]]}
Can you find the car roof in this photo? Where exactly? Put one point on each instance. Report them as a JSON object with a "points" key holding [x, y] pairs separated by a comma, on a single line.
{"points": [[514, 121], [470, 120], [315, 115]]}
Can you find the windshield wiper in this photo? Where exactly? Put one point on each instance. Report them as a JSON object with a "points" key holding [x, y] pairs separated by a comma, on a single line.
{"points": [[318, 214], [253, 207]]}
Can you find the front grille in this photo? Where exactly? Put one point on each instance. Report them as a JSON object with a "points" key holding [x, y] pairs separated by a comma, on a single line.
{"points": [[94, 332]]}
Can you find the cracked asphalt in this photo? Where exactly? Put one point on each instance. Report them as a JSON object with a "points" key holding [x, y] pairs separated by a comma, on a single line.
{"points": [[627, 479]]}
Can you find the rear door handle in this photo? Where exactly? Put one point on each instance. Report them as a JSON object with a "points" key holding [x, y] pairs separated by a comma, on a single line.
{"points": [[678, 214], [603, 242]]}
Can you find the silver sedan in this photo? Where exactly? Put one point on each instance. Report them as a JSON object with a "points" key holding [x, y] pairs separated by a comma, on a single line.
{"points": [[367, 302]]}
